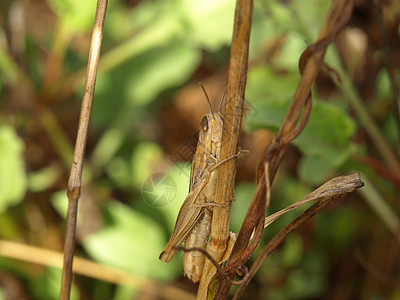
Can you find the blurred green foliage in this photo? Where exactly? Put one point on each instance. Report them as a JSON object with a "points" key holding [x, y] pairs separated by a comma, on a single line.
{"points": [[127, 240], [12, 175], [151, 50], [47, 285]]}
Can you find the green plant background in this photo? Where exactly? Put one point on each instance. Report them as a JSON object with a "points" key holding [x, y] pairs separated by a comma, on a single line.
{"points": [[151, 50]]}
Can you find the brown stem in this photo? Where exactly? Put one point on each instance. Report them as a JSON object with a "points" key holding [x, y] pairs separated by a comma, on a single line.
{"points": [[327, 194], [74, 183], [233, 114], [335, 20], [50, 258]]}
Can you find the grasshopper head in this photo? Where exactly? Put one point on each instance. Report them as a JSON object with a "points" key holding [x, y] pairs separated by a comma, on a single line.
{"points": [[210, 130], [211, 133]]}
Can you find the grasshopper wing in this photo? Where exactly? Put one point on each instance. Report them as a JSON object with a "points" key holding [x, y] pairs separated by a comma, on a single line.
{"points": [[187, 218]]}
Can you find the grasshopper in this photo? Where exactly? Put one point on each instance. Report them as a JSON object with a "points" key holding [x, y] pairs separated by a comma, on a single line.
{"points": [[193, 223]]}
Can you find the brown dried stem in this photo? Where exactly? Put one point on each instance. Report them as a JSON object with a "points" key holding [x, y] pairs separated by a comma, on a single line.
{"points": [[327, 194], [74, 183], [85, 267], [233, 114], [294, 122]]}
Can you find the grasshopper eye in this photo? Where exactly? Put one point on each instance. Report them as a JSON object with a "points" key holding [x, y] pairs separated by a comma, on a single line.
{"points": [[204, 124]]}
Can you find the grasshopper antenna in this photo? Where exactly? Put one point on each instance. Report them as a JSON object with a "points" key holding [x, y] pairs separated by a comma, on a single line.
{"points": [[208, 99], [222, 100]]}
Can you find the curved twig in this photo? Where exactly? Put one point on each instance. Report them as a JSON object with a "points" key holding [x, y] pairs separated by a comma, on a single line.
{"points": [[338, 15]]}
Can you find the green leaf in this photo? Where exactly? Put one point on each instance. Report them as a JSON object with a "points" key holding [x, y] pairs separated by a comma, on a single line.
{"points": [[210, 22], [13, 182], [314, 169], [48, 284], [180, 173], [289, 190], [265, 84], [292, 251], [329, 125], [131, 242], [121, 21], [303, 16], [308, 16], [151, 65], [119, 171], [269, 115], [44, 178], [160, 32], [159, 69], [125, 293], [243, 195], [145, 156], [325, 141], [269, 104], [76, 15], [289, 55]]}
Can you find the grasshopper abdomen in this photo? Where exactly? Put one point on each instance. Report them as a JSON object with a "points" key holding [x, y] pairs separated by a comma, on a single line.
{"points": [[193, 261]]}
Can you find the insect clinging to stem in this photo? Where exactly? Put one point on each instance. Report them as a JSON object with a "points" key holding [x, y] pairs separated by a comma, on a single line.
{"points": [[193, 223]]}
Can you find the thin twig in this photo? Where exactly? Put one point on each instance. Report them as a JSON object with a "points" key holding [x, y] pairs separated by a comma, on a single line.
{"points": [[82, 266], [336, 186], [74, 183]]}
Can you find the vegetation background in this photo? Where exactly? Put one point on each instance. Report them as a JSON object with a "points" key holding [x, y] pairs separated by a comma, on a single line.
{"points": [[146, 112]]}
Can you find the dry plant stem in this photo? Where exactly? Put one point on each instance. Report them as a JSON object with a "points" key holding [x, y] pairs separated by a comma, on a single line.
{"points": [[337, 17], [74, 183], [328, 193], [335, 14], [91, 269], [232, 113], [337, 186]]}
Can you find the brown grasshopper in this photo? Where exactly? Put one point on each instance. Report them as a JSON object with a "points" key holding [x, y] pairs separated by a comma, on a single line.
{"points": [[193, 223]]}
